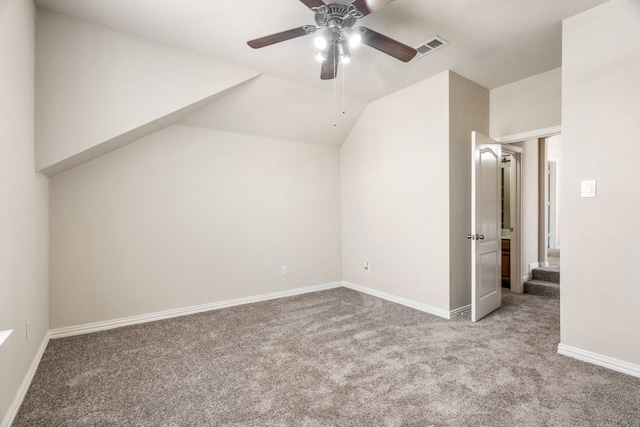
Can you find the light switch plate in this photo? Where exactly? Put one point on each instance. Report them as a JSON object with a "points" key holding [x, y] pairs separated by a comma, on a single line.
{"points": [[588, 188]]}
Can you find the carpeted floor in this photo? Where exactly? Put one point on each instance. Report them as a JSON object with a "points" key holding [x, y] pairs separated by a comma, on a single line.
{"points": [[331, 358]]}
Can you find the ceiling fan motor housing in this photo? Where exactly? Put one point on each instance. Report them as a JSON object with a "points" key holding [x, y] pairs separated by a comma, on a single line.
{"points": [[335, 15]]}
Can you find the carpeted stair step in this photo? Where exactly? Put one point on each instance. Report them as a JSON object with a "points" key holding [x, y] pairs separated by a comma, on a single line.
{"points": [[542, 288], [547, 274]]}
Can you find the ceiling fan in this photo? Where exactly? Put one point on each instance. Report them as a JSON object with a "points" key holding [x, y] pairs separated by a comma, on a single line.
{"points": [[335, 34]]}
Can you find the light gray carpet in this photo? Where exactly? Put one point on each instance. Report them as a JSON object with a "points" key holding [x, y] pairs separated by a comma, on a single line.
{"points": [[331, 358]]}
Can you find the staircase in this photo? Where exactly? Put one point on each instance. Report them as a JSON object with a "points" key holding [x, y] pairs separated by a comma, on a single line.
{"points": [[545, 281]]}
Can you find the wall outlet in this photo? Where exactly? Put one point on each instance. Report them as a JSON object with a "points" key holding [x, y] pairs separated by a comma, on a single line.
{"points": [[367, 267], [283, 270], [28, 329], [588, 188]]}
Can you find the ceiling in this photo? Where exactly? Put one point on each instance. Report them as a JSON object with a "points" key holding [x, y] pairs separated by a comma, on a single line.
{"points": [[491, 42]]}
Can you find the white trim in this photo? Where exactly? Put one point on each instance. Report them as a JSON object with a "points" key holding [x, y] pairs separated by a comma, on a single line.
{"points": [[516, 285], [511, 149], [4, 335], [532, 134], [526, 277], [399, 300], [553, 199], [22, 391], [600, 360], [185, 311], [460, 311], [533, 265], [116, 323]]}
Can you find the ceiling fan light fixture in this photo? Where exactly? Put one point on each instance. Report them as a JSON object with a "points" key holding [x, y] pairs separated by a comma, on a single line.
{"points": [[355, 40], [335, 34], [321, 56], [321, 41], [343, 52], [353, 37]]}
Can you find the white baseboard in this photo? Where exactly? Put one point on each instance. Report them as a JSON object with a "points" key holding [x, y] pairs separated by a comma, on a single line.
{"points": [[461, 311], [168, 314], [400, 300], [151, 317], [600, 360], [526, 278], [22, 391], [116, 323]]}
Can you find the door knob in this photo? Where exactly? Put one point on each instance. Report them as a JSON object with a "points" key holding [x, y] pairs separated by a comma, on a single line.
{"points": [[475, 236]]}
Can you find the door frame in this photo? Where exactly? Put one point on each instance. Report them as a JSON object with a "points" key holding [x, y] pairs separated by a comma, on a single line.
{"points": [[518, 137], [552, 209], [517, 285]]}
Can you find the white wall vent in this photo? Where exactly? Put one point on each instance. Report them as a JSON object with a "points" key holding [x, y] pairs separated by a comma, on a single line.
{"points": [[429, 46]]}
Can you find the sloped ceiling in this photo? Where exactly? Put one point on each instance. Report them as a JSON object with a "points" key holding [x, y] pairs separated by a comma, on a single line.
{"points": [[98, 89], [491, 42], [279, 108]]}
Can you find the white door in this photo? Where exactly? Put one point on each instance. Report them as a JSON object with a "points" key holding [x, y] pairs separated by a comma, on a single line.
{"points": [[486, 286]]}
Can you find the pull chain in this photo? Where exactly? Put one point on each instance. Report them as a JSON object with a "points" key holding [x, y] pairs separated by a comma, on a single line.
{"points": [[335, 72], [344, 83]]}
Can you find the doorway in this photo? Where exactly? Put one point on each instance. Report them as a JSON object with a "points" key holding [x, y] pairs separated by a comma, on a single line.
{"points": [[496, 224], [554, 164], [530, 225], [511, 232]]}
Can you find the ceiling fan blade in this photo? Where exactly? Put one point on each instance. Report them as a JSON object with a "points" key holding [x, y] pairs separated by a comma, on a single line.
{"points": [[313, 3], [330, 66], [369, 6], [389, 46], [278, 37]]}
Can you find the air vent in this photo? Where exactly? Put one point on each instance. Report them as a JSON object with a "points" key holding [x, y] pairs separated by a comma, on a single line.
{"points": [[429, 46]]}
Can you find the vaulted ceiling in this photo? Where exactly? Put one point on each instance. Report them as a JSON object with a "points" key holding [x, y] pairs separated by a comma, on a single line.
{"points": [[491, 42]]}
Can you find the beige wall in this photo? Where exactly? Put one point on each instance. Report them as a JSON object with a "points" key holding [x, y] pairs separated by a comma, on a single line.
{"points": [[600, 302], [189, 216], [526, 105], [406, 191], [24, 292], [94, 84], [395, 194], [468, 112]]}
